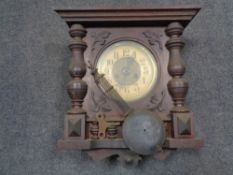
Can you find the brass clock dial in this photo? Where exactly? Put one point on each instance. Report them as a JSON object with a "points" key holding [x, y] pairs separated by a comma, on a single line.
{"points": [[130, 68]]}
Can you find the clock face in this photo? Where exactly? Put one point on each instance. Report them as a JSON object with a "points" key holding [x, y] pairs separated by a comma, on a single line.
{"points": [[130, 68]]}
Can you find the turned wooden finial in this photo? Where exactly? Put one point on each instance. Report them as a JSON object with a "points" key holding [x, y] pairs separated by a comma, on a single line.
{"points": [[77, 88], [177, 86]]}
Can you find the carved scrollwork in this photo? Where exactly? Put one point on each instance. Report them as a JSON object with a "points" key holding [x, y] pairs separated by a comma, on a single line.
{"points": [[156, 102], [153, 39], [100, 39], [99, 103], [91, 67]]}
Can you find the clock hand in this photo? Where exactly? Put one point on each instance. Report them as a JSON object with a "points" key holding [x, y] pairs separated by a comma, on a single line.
{"points": [[108, 90]]}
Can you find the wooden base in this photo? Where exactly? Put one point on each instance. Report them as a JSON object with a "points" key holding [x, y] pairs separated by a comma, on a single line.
{"points": [[184, 143], [171, 143], [90, 144]]}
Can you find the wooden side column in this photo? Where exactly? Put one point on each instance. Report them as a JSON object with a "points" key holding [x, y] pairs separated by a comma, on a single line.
{"points": [[76, 88], [178, 86]]}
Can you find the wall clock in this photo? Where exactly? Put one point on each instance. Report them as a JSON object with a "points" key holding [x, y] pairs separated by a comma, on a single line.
{"points": [[127, 89]]}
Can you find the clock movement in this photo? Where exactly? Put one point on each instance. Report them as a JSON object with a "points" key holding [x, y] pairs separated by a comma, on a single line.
{"points": [[127, 89]]}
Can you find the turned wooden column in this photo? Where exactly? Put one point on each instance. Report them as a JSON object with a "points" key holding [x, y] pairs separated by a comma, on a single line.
{"points": [[182, 118], [177, 86], [77, 88]]}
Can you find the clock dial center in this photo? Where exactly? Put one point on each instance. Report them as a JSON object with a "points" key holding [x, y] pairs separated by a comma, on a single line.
{"points": [[126, 71]]}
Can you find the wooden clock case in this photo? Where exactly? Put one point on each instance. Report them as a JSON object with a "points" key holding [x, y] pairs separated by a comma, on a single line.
{"points": [[159, 30]]}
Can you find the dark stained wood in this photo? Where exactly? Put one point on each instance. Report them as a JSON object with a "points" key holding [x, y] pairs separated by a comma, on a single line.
{"points": [[75, 120], [91, 144], [161, 16], [182, 118], [159, 30], [177, 86], [184, 143], [77, 88]]}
